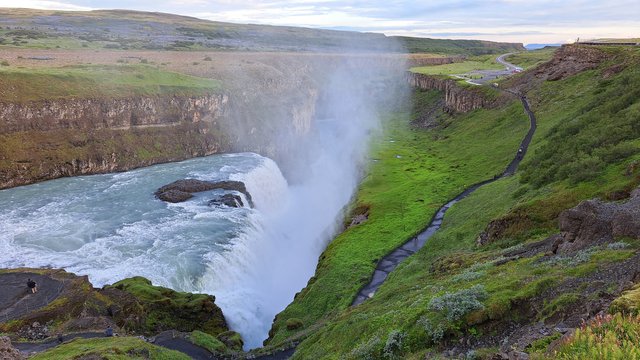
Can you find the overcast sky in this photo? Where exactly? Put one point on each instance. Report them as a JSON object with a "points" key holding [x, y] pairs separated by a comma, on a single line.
{"points": [[526, 21]]}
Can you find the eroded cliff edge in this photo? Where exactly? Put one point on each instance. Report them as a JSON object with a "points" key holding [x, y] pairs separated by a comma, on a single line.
{"points": [[457, 98]]}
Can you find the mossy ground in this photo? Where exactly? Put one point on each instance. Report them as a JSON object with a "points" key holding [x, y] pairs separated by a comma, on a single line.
{"points": [[166, 309], [417, 173], [113, 348]]}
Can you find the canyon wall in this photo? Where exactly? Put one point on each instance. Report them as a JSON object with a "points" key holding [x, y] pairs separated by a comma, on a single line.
{"points": [[47, 139], [457, 98], [119, 113]]}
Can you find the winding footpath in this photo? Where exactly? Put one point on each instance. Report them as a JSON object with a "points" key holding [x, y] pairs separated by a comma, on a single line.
{"points": [[389, 262]]}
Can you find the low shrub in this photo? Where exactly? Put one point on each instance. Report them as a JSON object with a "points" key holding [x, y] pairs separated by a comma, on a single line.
{"points": [[460, 303], [393, 348]]}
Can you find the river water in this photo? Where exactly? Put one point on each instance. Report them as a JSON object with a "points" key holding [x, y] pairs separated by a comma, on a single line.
{"points": [[111, 227]]}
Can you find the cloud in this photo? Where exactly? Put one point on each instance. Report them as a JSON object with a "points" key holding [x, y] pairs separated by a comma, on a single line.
{"points": [[499, 20], [43, 5]]}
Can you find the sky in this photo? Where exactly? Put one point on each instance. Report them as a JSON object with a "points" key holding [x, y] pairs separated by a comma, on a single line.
{"points": [[530, 21]]}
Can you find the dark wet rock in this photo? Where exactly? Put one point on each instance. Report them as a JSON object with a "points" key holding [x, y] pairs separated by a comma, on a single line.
{"points": [[7, 351], [182, 190], [174, 196], [230, 200], [594, 222]]}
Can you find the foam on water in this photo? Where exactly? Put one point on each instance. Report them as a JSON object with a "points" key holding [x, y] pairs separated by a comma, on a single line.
{"points": [[111, 227]]}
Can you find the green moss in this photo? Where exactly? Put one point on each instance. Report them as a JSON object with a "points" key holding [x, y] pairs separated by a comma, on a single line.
{"points": [[207, 341], [540, 346], [165, 309], [559, 304], [628, 302], [114, 348], [231, 339]]}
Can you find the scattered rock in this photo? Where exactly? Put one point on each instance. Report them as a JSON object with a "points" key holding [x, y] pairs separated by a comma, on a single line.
{"points": [[35, 331], [182, 190], [7, 351]]}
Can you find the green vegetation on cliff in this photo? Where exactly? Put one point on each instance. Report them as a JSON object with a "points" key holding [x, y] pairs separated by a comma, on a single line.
{"points": [[19, 85], [455, 291], [113, 348], [400, 196], [166, 309]]}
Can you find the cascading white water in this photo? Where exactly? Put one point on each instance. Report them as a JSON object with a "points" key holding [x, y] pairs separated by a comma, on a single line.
{"points": [[253, 260]]}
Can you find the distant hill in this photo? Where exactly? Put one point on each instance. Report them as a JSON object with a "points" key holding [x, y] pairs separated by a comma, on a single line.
{"points": [[463, 47], [124, 29]]}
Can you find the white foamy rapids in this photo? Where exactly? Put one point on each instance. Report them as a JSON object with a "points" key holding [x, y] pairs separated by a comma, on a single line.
{"points": [[266, 185]]}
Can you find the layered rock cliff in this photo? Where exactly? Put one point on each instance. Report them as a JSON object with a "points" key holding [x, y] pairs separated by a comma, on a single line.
{"points": [[457, 98], [118, 113], [48, 139]]}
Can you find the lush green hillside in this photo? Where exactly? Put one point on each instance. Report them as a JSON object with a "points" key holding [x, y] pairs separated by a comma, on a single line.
{"points": [[458, 296], [120, 29]]}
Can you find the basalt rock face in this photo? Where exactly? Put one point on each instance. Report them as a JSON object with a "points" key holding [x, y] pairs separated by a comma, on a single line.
{"points": [[56, 138], [122, 113], [594, 222], [570, 60], [457, 99]]}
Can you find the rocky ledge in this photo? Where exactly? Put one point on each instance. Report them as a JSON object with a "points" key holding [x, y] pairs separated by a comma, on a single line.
{"points": [[182, 190]]}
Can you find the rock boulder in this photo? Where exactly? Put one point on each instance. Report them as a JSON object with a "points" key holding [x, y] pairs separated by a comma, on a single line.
{"points": [[181, 190], [595, 222]]}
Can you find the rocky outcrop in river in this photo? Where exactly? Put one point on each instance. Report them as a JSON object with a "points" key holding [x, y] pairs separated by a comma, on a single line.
{"points": [[182, 190]]}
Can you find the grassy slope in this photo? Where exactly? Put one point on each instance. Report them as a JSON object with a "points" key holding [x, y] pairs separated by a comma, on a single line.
{"points": [[484, 62], [531, 58], [443, 265], [93, 81], [115, 348], [401, 197]]}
